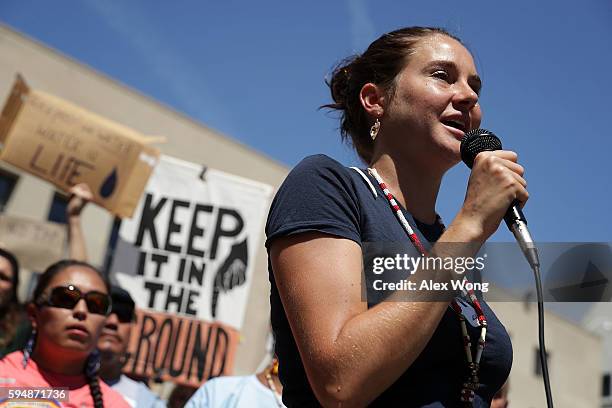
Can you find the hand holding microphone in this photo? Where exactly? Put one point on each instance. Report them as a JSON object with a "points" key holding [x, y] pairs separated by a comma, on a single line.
{"points": [[496, 189], [495, 183]]}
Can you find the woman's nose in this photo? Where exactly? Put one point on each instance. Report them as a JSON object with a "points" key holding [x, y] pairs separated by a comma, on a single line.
{"points": [[112, 322], [80, 310], [465, 97]]}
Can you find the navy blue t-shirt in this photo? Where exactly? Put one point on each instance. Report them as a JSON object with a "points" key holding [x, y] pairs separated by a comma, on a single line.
{"points": [[320, 194]]}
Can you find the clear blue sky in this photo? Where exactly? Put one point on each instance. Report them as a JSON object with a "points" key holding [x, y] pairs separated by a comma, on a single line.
{"points": [[254, 71]]}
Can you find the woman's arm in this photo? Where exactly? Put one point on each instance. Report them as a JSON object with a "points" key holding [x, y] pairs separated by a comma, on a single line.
{"points": [[80, 196], [351, 353]]}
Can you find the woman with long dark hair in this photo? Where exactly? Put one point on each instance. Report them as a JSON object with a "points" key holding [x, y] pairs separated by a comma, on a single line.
{"points": [[405, 104], [68, 309]]}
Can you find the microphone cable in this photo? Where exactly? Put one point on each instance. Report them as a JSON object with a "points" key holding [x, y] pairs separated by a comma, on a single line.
{"points": [[543, 355]]}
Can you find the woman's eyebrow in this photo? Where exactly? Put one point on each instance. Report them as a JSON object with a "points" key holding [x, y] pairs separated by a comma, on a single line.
{"points": [[443, 63]]}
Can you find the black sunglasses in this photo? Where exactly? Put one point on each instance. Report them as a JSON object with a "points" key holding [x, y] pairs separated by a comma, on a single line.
{"points": [[124, 311], [67, 297]]}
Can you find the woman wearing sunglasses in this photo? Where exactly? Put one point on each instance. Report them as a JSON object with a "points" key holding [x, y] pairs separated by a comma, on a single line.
{"points": [[68, 310]]}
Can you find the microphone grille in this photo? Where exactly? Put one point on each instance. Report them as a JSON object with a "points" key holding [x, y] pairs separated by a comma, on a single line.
{"points": [[476, 141]]}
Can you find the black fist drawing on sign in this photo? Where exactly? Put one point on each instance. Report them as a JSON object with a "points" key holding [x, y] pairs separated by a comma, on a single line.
{"points": [[231, 274]]}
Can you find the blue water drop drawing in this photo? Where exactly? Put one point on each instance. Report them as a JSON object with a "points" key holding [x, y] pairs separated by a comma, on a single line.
{"points": [[108, 187]]}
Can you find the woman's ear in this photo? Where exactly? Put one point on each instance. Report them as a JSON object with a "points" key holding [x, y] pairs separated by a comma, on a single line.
{"points": [[372, 99], [32, 311]]}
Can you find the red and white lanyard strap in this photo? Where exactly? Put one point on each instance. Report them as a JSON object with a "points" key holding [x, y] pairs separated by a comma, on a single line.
{"points": [[471, 385]]}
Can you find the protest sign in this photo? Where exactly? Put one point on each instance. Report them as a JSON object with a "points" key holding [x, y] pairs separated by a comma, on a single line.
{"points": [[65, 144], [37, 244], [187, 258], [179, 349]]}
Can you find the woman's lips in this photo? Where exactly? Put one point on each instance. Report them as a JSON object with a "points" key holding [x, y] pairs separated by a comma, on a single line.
{"points": [[458, 133], [78, 330], [111, 335]]}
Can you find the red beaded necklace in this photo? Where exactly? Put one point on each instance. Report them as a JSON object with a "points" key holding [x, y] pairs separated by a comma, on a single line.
{"points": [[473, 362]]}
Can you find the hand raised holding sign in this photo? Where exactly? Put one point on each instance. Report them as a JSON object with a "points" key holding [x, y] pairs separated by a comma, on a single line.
{"points": [[80, 195]]}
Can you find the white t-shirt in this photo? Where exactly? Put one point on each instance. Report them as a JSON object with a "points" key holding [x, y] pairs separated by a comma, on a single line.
{"points": [[137, 394], [233, 392]]}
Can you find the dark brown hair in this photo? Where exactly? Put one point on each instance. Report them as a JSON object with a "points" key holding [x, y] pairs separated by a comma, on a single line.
{"points": [[379, 64], [42, 284]]}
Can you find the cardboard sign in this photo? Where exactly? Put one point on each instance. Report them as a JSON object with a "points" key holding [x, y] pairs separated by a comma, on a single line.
{"points": [[36, 244], [189, 251], [65, 145], [179, 349]]}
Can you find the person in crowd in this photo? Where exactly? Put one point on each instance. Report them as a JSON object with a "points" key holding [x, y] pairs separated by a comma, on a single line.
{"points": [[115, 337], [14, 326], [113, 346], [263, 389], [68, 309], [405, 104]]}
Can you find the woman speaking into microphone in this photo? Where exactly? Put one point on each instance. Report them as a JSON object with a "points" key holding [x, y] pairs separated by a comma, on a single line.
{"points": [[405, 104]]}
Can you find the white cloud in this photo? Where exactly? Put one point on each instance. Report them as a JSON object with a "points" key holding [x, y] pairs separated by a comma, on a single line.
{"points": [[176, 74], [362, 27]]}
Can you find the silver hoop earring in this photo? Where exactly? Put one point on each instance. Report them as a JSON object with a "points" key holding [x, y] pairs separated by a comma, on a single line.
{"points": [[374, 129]]}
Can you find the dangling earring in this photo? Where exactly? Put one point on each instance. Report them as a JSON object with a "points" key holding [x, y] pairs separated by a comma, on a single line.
{"points": [[92, 366], [374, 129], [29, 348], [275, 366]]}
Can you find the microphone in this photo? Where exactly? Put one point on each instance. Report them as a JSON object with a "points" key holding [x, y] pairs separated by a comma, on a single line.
{"points": [[480, 140]]}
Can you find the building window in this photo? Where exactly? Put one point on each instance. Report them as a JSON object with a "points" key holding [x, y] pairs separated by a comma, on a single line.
{"points": [[57, 211], [538, 364], [605, 389], [7, 185]]}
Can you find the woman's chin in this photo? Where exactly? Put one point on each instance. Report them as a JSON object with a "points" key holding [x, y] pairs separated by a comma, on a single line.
{"points": [[450, 154], [77, 346]]}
